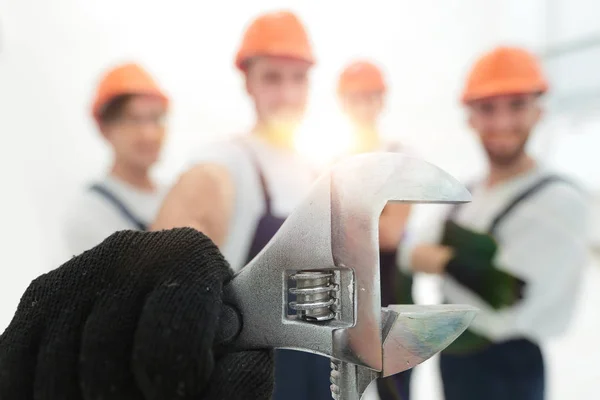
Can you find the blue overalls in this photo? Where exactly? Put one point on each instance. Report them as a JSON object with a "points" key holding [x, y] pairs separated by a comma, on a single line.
{"points": [[298, 375]]}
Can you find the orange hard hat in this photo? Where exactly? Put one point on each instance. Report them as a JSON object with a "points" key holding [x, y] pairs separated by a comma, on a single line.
{"points": [[505, 70], [279, 34], [125, 79], [361, 77]]}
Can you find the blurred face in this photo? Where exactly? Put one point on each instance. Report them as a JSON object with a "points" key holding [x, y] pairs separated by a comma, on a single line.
{"points": [[363, 109], [279, 89], [137, 133], [503, 124]]}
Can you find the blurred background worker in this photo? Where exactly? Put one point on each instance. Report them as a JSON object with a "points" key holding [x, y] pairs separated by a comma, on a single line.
{"points": [[129, 109], [516, 251], [240, 191], [361, 91]]}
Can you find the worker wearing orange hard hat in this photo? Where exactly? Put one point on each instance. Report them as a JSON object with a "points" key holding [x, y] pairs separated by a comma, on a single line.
{"points": [[239, 191], [129, 109], [516, 251], [361, 91]]}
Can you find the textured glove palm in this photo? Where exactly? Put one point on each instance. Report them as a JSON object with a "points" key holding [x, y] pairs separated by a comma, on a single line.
{"points": [[137, 317]]}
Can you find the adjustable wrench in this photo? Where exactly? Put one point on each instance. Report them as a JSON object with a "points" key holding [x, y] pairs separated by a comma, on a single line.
{"points": [[315, 286]]}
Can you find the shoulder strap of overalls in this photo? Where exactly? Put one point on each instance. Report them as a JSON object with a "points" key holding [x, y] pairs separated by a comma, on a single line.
{"points": [[531, 190], [108, 195], [261, 176]]}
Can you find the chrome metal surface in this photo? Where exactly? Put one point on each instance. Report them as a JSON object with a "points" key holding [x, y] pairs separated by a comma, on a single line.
{"points": [[335, 232], [315, 291], [415, 333], [411, 334], [349, 381]]}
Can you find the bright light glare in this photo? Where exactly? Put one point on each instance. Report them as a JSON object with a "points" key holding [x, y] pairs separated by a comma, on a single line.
{"points": [[323, 142]]}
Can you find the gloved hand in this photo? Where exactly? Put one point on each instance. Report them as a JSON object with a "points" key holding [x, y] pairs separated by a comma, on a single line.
{"points": [[137, 317]]}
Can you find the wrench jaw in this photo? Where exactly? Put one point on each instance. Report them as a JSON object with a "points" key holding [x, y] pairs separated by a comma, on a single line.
{"points": [[411, 334], [361, 186], [419, 332]]}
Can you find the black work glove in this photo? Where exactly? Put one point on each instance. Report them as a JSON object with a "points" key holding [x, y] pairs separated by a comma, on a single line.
{"points": [[138, 317]]}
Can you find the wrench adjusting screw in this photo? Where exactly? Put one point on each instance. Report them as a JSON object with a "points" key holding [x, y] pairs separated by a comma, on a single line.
{"points": [[316, 301], [315, 293]]}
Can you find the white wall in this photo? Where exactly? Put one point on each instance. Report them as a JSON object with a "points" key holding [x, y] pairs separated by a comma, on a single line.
{"points": [[53, 51]]}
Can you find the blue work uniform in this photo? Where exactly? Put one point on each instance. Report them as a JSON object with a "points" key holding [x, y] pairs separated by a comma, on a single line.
{"points": [[475, 367]]}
